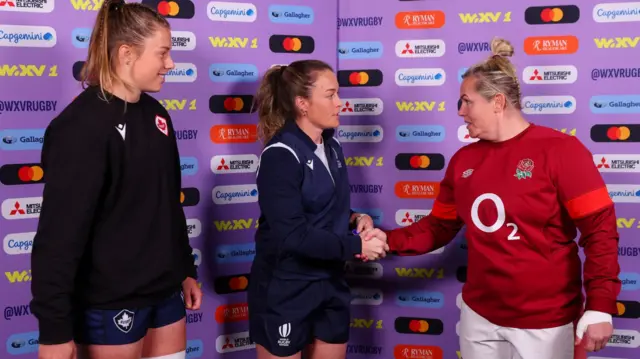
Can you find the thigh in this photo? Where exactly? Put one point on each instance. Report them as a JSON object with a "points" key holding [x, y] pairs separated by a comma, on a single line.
{"points": [[331, 322], [168, 330], [552, 343], [263, 353], [321, 350], [124, 351], [280, 315], [479, 338]]}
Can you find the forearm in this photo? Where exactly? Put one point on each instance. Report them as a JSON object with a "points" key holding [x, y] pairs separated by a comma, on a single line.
{"points": [[424, 236]]}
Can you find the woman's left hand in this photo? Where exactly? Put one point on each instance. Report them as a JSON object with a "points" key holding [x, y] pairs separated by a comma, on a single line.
{"points": [[192, 294]]}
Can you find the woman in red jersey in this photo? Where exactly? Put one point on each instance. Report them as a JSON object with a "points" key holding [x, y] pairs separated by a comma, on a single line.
{"points": [[522, 190]]}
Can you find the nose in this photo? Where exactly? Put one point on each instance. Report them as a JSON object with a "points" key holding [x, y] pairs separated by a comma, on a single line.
{"points": [[169, 64], [338, 101]]}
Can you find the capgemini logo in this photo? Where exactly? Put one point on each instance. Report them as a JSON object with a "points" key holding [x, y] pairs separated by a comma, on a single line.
{"points": [[548, 105]]}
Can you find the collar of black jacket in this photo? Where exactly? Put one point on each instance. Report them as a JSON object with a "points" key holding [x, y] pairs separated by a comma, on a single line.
{"points": [[292, 127]]}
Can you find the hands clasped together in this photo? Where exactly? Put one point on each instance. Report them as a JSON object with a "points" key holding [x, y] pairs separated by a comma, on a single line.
{"points": [[374, 244]]}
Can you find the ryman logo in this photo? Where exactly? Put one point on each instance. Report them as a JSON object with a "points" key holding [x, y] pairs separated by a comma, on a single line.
{"points": [[360, 50], [183, 72], [420, 48], [361, 107], [420, 77], [550, 75], [183, 40], [548, 105], [27, 36], [360, 133]]}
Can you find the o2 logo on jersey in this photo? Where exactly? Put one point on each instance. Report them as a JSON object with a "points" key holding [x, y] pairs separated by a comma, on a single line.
{"points": [[500, 221]]}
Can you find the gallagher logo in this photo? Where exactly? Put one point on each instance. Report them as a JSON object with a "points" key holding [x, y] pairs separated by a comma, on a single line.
{"points": [[183, 40], [174, 9], [425, 133], [26, 173], [188, 166], [361, 107], [27, 36], [628, 309], [358, 78], [291, 14], [543, 15], [80, 37], [615, 133], [292, 44], [231, 104], [426, 326], [360, 50], [14, 140], [231, 284], [233, 73], [189, 196], [420, 161]]}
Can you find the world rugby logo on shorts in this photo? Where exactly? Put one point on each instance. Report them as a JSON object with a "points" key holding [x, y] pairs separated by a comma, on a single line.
{"points": [[284, 330], [124, 320]]}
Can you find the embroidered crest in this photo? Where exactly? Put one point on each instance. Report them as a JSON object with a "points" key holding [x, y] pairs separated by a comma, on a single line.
{"points": [[161, 124], [524, 169], [124, 320]]}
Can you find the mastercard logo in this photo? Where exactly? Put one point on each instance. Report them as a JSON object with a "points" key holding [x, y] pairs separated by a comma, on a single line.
{"points": [[231, 284], [189, 197], [616, 133], [426, 326], [231, 104], [357, 78], [542, 15], [180, 9], [292, 44], [17, 174], [420, 161], [628, 309]]}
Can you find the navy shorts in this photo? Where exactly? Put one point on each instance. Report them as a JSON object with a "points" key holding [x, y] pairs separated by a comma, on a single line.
{"points": [[287, 315], [125, 326]]}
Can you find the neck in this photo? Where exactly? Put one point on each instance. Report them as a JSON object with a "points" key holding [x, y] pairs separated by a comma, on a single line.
{"points": [[511, 127], [127, 94], [310, 130]]}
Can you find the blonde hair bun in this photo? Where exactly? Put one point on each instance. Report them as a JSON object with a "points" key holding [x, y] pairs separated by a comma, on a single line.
{"points": [[501, 47]]}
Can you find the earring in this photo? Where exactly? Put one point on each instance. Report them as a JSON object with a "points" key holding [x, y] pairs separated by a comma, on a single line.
{"points": [[304, 113]]}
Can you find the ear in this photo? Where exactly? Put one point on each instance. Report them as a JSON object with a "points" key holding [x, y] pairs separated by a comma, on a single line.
{"points": [[499, 102], [302, 104], [125, 54]]}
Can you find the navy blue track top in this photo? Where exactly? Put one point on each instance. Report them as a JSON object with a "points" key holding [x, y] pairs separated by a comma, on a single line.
{"points": [[304, 221]]}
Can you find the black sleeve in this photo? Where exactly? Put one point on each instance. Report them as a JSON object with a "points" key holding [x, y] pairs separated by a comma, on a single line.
{"points": [[74, 159], [187, 252], [280, 200]]}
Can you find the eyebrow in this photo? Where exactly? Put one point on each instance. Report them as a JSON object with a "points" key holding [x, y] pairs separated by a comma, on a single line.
{"points": [[165, 48], [331, 90]]}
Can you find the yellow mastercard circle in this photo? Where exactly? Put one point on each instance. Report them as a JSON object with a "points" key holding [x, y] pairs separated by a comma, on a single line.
{"points": [[364, 78], [625, 133]]}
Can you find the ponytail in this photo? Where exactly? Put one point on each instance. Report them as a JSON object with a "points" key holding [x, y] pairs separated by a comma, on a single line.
{"points": [[276, 96], [117, 24]]}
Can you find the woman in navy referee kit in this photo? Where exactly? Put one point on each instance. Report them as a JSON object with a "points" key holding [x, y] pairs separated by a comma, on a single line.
{"points": [[298, 298]]}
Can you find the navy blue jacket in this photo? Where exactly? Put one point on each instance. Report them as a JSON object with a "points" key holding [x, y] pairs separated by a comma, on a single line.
{"points": [[304, 221]]}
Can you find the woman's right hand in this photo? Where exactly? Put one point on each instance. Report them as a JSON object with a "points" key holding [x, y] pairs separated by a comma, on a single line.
{"points": [[373, 249], [58, 351]]}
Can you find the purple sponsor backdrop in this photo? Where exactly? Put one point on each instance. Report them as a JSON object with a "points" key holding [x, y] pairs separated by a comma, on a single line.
{"points": [[400, 304]]}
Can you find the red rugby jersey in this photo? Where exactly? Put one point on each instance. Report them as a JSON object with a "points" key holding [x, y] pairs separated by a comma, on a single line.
{"points": [[521, 201]]}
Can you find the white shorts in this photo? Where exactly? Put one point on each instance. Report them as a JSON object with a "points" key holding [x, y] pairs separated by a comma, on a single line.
{"points": [[481, 339]]}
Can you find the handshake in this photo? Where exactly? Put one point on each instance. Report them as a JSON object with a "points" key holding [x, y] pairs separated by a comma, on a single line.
{"points": [[374, 245]]}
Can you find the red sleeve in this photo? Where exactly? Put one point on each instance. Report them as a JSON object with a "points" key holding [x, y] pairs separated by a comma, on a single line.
{"points": [[584, 194], [433, 231]]}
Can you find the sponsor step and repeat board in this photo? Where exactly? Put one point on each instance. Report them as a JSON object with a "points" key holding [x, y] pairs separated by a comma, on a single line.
{"points": [[399, 66]]}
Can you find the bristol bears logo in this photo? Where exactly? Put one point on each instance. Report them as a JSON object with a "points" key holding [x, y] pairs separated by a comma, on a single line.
{"points": [[124, 320]]}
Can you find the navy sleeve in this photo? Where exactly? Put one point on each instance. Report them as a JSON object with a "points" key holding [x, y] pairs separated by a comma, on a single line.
{"points": [[280, 200], [187, 252], [74, 159]]}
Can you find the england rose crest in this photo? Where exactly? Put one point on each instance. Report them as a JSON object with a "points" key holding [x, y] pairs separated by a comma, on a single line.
{"points": [[524, 169]]}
